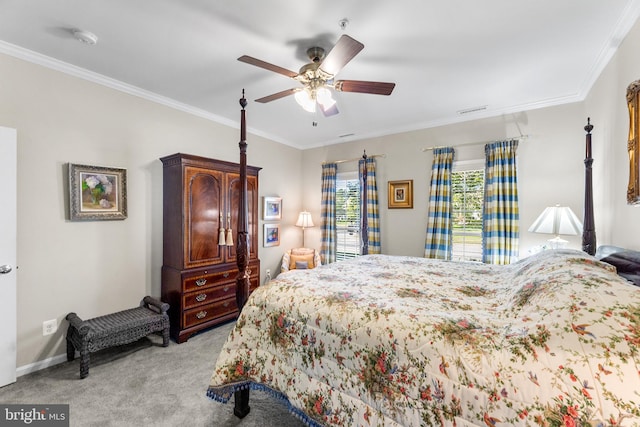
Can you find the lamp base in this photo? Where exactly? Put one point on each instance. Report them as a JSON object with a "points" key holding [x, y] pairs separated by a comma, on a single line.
{"points": [[557, 243]]}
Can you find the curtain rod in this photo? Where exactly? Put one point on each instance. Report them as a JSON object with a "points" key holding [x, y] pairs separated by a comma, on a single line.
{"points": [[521, 138], [355, 159]]}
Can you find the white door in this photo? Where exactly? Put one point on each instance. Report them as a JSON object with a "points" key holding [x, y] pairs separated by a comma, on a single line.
{"points": [[8, 247]]}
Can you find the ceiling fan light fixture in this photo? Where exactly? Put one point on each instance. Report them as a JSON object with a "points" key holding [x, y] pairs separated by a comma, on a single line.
{"points": [[323, 95], [317, 77], [304, 99]]}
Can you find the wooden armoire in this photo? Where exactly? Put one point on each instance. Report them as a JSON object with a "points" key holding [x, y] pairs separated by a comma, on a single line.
{"points": [[200, 198]]}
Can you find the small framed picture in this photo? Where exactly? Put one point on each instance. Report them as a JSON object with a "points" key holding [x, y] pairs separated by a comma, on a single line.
{"points": [[272, 208], [97, 193], [401, 194], [271, 235]]}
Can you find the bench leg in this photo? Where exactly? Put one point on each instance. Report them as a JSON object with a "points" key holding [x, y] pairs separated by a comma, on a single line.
{"points": [[71, 351], [84, 363], [165, 337]]}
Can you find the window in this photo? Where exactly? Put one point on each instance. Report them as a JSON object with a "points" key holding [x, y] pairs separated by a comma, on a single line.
{"points": [[467, 186], [347, 216]]}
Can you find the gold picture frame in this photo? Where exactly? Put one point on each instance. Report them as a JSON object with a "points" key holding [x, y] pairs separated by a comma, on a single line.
{"points": [[401, 194], [633, 144], [97, 193]]}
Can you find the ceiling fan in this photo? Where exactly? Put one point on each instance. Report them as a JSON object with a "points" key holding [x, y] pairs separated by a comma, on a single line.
{"points": [[317, 77]]}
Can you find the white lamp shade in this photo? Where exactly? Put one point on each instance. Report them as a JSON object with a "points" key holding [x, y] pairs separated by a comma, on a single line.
{"points": [[557, 220], [324, 97], [304, 220], [304, 99]]}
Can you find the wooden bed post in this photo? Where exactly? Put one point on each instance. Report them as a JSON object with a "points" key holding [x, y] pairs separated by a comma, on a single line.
{"points": [[588, 229], [241, 397], [364, 214], [242, 248]]}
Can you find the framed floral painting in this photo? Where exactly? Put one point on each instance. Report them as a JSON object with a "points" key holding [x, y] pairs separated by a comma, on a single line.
{"points": [[272, 208], [97, 193], [271, 235]]}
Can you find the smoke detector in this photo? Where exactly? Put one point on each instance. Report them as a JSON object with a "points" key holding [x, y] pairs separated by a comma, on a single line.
{"points": [[85, 37]]}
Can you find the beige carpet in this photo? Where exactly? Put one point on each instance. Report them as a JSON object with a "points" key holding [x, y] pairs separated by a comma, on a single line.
{"points": [[145, 384]]}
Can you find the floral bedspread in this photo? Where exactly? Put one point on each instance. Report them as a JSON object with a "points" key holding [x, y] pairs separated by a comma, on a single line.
{"points": [[399, 341]]}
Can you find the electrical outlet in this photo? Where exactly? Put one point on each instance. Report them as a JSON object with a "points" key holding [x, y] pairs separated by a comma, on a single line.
{"points": [[49, 327], [268, 273]]}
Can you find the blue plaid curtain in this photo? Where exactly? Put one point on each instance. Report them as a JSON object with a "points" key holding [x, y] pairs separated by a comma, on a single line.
{"points": [[328, 213], [438, 242], [370, 212], [500, 229]]}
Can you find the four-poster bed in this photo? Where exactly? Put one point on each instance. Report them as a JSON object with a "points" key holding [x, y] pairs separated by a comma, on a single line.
{"points": [[402, 341]]}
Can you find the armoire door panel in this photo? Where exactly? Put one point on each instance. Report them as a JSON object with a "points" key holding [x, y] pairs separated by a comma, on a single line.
{"points": [[202, 226], [233, 188]]}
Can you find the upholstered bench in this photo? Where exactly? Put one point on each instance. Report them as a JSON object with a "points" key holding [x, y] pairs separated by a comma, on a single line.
{"points": [[123, 327]]}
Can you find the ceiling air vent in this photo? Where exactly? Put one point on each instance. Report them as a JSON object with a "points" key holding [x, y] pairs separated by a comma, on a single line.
{"points": [[472, 110]]}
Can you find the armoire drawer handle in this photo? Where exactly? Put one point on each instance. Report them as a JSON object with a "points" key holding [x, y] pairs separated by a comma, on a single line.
{"points": [[201, 314], [226, 304], [226, 289], [201, 297], [201, 282], [225, 275]]}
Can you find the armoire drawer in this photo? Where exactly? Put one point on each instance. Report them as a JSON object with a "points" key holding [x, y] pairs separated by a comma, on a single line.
{"points": [[208, 312], [208, 295], [205, 280]]}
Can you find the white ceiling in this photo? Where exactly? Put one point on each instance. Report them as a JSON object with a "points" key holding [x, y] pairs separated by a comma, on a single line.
{"points": [[444, 55]]}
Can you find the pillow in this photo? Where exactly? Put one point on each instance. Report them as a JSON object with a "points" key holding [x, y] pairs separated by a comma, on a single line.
{"points": [[606, 250], [627, 263], [293, 260], [302, 265], [303, 251]]}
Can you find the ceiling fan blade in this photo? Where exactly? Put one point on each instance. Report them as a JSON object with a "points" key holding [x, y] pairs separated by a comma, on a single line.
{"points": [[341, 54], [328, 112], [376, 88], [278, 95], [267, 66]]}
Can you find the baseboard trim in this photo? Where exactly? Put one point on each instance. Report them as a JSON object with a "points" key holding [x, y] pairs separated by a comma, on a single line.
{"points": [[42, 364]]}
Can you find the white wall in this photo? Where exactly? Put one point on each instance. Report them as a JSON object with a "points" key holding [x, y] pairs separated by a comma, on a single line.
{"points": [[94, 268], [607, 106]]}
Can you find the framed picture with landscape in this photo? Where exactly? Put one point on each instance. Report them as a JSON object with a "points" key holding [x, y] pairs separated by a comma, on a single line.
{"points": [[97, 193]]}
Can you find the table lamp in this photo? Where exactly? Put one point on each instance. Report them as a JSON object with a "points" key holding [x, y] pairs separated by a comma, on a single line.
{"points": [[558, 220], [304, 221]]}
